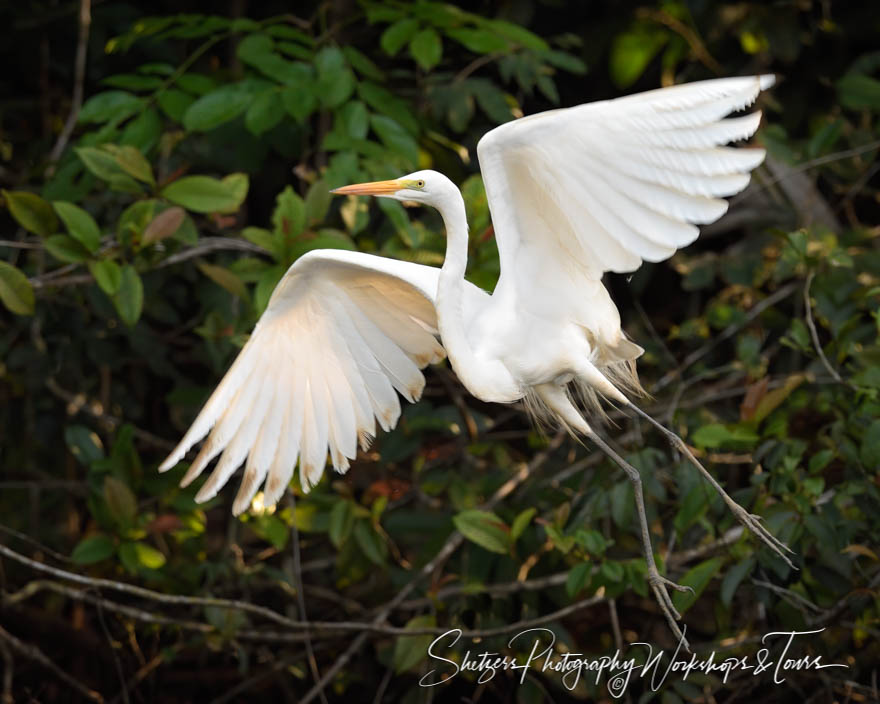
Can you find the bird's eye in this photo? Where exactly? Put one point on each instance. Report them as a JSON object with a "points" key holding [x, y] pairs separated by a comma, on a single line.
{"points": [[420, 184]]}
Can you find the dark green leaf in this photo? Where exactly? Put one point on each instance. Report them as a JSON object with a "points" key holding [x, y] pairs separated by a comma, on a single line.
{"points": [[31, 212], [485, 529], [395, 137], [698, 578], [857, 92], [204, 194], [66, 249], [92, 549], [107, 274], [80, 224], [370, 542], [121, 501], [111, 105], [175, 103], [426, 48], [289, 217], [16, 291], [265, 112], [215, 108], [479, 41], [632, 51], [317, 202], [732, 579], [578, 577], [409, 651], [83, 444], [521, 522], [129, 299], [397, 35]]}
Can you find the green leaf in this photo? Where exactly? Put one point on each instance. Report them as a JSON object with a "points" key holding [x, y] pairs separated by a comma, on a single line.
{"points": [[479, 40], [485, 529], [398, 34], [174, 103], [870, 452], [698, 578], [107, 274], [164, 225], [260, 237], [716, 435], [264, 113], [111, 105], [341, 522], [521, 522], [317, 202], [395, 137], [140, 555], [131, 161], [92, 549], [266, 285], [84, 444], [335, 81], [632, 51], [31, 212], [370, 542], [215, 108], [143, 131], [80, 224], [409, 651], [129, 299], [695, 504], [299, 101], [16, 291], [289, 216], [134, 220], [121, 502], [361, 63], [578, 577], [225, 279], [858, 92], [66, 249], [426, 48], [386, 103], [101, 162], [517, 34], [732, 579], [204, 194]]}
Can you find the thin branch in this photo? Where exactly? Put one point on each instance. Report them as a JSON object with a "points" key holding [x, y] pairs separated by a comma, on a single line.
{"points": [[34, 653], [8, 673], [211, 244], [79, 77], [726, 540], [78, 403], [15, 244], [814, 333], [729, 331], [149, 593], [450, 546]]}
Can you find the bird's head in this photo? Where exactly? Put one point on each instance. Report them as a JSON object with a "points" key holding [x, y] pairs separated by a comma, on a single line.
{"points": [[426, 187]]}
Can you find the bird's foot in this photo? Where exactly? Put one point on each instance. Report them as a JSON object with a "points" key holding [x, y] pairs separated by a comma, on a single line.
{"points": [[753, 523], [658, 585]]}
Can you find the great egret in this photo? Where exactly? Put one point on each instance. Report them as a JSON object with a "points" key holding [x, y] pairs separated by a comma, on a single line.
{"points": [[573, 193]]}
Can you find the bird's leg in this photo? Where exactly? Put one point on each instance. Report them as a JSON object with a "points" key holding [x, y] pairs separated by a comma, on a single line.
{"points": [[555, 398], [657, 581], [749, 520]]}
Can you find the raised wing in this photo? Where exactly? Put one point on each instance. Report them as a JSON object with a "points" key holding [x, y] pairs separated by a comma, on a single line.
{"points": [[605, 185], [342, 332]]}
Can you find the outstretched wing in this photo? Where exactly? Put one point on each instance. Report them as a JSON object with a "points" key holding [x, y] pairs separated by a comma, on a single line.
{"points": [[605, 185], [342, 332]]}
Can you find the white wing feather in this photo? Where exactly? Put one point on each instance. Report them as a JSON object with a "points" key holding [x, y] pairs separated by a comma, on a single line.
{"points": [[342, 331], [606, 185]]}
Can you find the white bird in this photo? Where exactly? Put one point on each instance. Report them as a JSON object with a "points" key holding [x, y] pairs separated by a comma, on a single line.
{"points": [[573, 193]]}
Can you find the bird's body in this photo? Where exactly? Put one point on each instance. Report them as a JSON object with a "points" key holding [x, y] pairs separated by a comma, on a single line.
{"points": [[573, 193]]}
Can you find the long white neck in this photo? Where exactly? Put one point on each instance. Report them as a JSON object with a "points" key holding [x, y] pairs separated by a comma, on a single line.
{"points": [[450, 293]]}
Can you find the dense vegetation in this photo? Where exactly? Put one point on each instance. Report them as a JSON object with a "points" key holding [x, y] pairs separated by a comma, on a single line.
{"points": [[143, 231]]}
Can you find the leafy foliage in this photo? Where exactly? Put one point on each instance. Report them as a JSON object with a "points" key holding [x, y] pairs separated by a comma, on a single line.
{"points": [[136, 265]]}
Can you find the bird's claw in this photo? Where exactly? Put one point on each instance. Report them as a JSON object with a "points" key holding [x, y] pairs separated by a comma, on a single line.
{"points": [[752, 521], [658, 585]]}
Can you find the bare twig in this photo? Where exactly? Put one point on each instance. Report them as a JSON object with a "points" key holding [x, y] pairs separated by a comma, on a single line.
{"points": [[8, 673], [211, 244], [150, 594], [451, 545], [814, 333], [34, 653], [300, 596], [728, 332], [726, 540], [79, 77], [15, 244]]}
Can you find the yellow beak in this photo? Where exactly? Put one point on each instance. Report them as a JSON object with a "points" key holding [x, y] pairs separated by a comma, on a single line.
{"points": [[374, 188]]}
